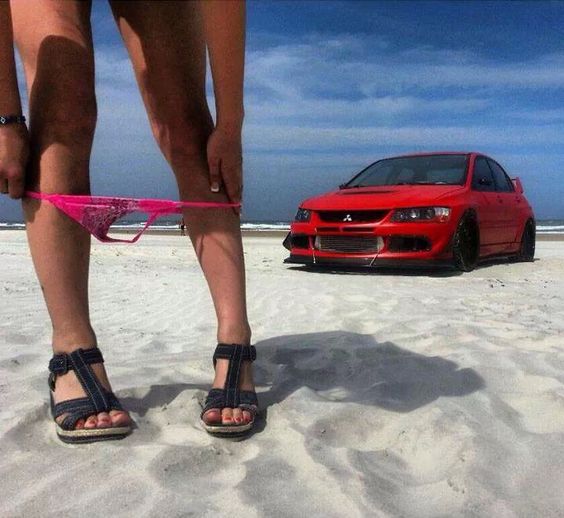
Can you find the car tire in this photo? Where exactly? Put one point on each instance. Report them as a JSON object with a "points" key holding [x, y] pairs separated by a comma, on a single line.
{"points": [[528, 242], [466, 244]]}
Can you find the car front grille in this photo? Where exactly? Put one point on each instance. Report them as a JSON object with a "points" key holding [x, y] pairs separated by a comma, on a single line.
{"points": [[351, 216], [349, 244]]}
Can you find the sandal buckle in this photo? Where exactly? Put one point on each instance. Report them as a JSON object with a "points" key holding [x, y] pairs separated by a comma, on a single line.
{"points": [[60, 364], [51, 381]]}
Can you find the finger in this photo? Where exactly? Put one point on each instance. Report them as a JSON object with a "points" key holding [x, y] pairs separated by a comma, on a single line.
{"points": [[215, 176], [3, 186], [16, 184], [232, 180]]}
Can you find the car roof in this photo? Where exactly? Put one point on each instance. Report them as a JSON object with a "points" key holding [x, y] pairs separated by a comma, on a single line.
{"points": [[431, 153]]}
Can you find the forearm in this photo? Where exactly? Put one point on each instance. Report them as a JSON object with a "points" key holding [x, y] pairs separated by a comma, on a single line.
{"points": [[10, 103], [224, 32]]}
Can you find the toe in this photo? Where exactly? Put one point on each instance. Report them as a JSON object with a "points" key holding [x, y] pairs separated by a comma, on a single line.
{"points": [[246, 416], [120, 418], [91, 422], [237, 415], [227, 415], [79, 424], [104, 420], [212, 416]]}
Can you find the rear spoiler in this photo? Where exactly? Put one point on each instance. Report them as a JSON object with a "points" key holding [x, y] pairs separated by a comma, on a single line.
{"points": [[518, 185]]}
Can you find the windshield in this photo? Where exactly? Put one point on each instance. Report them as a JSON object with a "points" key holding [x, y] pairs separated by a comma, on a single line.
{"points": [[415, 170]]}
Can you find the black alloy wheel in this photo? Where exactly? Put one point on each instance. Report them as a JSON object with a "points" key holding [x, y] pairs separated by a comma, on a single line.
{"points": [[466, 245]]}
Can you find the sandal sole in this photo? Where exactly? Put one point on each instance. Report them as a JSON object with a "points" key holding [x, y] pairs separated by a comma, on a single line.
{"points": [[228, 430], [95, 435]]}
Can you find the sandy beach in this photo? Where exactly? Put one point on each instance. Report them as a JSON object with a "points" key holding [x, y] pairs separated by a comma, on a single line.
{"points": [[409, 394]]}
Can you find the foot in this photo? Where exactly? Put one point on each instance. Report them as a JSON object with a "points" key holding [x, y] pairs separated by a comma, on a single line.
{"points": [[230, 415], [68, 387]]}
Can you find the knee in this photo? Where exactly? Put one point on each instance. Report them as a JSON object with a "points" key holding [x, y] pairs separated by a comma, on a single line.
{"points": [[71, 123], [183, 138]]}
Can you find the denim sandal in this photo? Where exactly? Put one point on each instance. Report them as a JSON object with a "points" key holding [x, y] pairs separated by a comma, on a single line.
{"points": [[98, 399], [230, 396]]}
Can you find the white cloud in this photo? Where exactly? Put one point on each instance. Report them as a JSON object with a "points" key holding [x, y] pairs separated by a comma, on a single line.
{"points": [[266, 137], [316, 66]]}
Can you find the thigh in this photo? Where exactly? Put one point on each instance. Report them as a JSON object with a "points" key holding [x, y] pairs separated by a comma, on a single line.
{"points": [[54, 40], [55, 44], [167, 49]]}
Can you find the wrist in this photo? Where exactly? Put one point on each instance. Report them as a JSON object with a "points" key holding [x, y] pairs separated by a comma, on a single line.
{"points": [[231, 119], [9, 131]]}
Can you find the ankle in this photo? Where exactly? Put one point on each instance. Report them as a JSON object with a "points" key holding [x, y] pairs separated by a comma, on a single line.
{"points": [[68, 341], [234, 334]]}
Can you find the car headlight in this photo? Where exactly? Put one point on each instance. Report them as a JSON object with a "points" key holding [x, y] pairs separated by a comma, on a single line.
{"points": [[436, 214], [303, 215]]}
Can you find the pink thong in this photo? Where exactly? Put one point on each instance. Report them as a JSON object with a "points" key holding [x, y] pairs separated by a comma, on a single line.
{"points": [[97, 213]]}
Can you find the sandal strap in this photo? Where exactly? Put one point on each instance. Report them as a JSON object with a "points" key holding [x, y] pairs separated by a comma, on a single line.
{"points": [[80, 408], [216, 399], [60, 363], [226, 351], [80, 361], [248, 398]]}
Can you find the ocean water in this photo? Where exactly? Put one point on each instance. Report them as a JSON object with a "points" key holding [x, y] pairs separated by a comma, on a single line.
{"points": [[549, 226], [170, 225]]}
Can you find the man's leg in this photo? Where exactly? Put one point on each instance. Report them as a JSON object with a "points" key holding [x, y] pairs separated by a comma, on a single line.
{"points": [[55, 43], [165, 43]]}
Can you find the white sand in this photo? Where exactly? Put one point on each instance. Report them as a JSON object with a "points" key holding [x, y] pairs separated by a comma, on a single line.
{"points": [[386, 394]]}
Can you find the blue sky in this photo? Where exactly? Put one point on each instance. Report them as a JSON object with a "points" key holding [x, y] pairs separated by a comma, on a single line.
{"points": [[333, 86]]}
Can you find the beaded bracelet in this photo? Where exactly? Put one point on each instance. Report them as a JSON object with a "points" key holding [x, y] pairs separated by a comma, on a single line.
{"points": [[11, 119]]}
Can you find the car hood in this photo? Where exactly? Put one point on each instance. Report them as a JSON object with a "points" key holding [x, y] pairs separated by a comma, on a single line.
{"points": [[385, 197]]}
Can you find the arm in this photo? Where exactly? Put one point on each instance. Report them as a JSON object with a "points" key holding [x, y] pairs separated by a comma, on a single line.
{"points": [[224, 31], [13, 137]]}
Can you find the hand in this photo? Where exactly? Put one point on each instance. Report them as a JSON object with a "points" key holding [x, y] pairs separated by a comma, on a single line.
{"points": [[225, 163], [14, 153]]}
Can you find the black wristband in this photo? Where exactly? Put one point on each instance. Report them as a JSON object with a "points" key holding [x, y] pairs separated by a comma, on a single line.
{"points": [[11, 119]]}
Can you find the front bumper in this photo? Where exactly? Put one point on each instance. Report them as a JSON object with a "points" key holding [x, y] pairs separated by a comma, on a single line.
{"points": [[407, 244]]}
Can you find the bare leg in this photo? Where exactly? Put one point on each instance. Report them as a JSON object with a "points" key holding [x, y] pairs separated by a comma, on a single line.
{"points": [[165, 43], [55, 43]]}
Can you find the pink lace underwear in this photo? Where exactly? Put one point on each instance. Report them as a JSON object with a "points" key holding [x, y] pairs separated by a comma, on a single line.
{"points": [[97, 213]]}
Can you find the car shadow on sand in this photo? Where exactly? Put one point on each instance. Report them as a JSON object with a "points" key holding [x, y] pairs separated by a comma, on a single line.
{"points": [[380, 271], [409, 271]]}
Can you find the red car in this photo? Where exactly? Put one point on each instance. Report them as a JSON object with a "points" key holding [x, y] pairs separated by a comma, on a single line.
{"points": [[455, 208]]}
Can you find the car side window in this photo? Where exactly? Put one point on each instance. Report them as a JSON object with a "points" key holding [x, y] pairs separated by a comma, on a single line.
{"points": [[502, 181], [482, 179]]}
